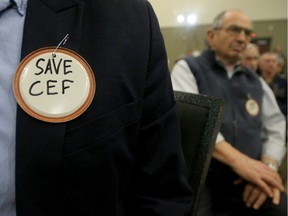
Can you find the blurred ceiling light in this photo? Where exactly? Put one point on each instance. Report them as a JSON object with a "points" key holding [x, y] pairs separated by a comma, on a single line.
{"points": [[191, 19], [180, 18]]}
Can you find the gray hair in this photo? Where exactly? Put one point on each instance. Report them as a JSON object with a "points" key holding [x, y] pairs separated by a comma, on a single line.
{"points": [[280, 60], [252, 45], [218, 20]]}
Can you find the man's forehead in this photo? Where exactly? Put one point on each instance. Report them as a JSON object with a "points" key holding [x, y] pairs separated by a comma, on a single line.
{"points": [[252, 50], [251, 54], [237, 18], [269, 57]]}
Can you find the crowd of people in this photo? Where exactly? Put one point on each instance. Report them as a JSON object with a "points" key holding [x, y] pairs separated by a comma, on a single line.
{"points": [[242, 177]]}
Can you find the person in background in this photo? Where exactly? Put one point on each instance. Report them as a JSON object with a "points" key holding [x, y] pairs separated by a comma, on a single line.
{"points": [[279, 85], [192, 52], [279, 52], [122, 156], [271, 66], [268, 66], [250, 57], [281, 66], [242, 177]]}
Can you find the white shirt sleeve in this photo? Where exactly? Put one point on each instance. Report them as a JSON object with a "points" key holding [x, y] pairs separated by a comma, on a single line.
{"points": [[274, 125], [184, 80]]}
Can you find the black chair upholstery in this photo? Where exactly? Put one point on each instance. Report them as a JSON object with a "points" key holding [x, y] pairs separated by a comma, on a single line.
{"points": [[200, 120]]}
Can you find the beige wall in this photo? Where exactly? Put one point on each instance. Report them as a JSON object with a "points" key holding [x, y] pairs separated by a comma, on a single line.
{"points": [[269, 17], [179, 39], [258, 10]]}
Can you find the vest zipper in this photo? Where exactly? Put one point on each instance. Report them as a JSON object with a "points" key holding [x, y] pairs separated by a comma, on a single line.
{"points": [[234, 123], [234, 130]]}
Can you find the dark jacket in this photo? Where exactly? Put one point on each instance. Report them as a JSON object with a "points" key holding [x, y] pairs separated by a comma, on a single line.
{"points": [[122, 156]]}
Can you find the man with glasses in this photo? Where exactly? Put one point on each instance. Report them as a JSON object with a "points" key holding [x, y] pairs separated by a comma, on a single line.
{"points": [[242, 173]]}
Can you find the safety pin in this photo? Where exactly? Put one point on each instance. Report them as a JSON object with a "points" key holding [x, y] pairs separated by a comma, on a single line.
{"points": [[62, 42]]}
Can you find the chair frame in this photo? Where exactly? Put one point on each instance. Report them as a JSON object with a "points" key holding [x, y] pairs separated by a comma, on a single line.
{"points": [[215, 107]]}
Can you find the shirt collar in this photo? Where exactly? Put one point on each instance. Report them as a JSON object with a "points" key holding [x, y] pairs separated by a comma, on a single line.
{"points": [[230, 70], [21, 6]]}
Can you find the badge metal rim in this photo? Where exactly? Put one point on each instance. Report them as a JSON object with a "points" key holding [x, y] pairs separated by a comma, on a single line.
{"points": [[71, 116]]}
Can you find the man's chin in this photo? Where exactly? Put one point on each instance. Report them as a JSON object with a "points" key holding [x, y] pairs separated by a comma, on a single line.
{"points": [[235, 57]]}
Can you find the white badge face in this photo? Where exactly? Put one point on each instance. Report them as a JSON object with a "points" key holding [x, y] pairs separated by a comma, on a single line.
{"points": [[55, 88], [252, 107]]}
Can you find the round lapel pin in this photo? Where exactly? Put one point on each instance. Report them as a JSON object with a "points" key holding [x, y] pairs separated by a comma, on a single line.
{"points": [[252, 107]]}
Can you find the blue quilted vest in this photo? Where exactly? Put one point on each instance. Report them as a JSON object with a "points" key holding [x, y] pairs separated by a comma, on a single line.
{"points": [[239, 128]]}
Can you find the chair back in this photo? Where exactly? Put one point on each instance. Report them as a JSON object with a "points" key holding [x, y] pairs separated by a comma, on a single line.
{"points": [[200, 119]]}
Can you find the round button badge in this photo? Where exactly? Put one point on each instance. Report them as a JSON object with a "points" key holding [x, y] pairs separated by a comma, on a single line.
{"points": [[54, 86], [252, 107]]}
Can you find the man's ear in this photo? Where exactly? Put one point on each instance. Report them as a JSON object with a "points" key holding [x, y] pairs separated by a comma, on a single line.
{"points": [[210, 35]]}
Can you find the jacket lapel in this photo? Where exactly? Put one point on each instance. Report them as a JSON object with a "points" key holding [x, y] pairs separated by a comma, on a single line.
{"points": [[47, 23], [39, 144]]}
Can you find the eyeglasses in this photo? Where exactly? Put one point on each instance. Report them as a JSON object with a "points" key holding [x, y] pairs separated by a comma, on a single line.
{"points": [[234, 30]]}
